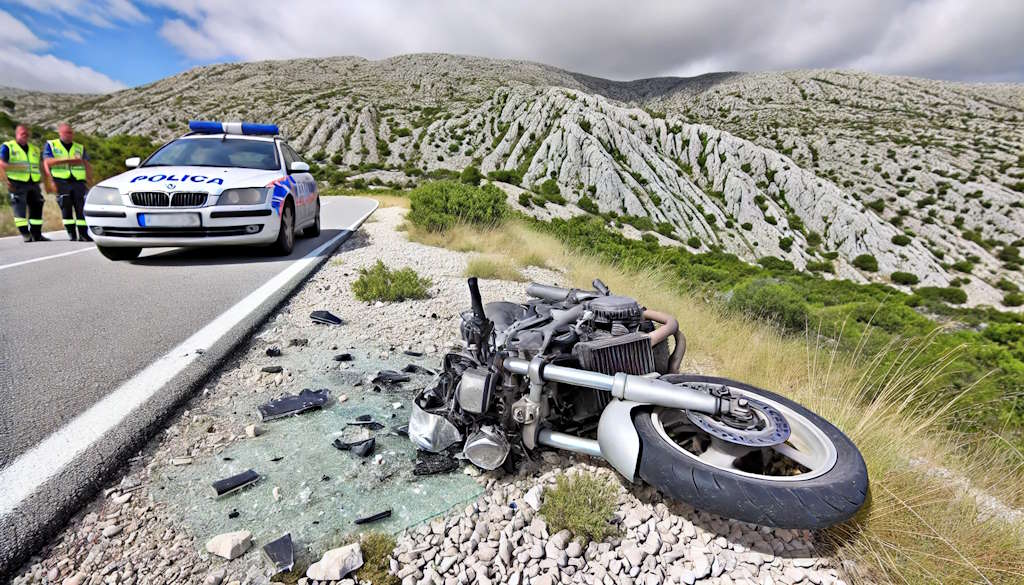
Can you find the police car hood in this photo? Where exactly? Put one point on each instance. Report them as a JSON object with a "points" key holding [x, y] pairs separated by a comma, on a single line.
{"points": [[211, 180]]}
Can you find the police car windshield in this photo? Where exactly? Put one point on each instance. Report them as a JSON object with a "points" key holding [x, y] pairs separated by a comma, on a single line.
{"points": [[216, 151]]}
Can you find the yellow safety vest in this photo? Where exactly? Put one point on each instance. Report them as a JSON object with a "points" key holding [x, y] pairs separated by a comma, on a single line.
{"points": [[27, 163], [65, 171]]}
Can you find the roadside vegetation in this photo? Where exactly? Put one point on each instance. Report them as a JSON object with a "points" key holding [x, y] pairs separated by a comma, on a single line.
{"points": [[921, 403], [380, 283], [583, 504]]}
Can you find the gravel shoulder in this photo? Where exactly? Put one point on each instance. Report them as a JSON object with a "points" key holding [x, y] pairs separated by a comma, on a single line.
{"points": [[135, 533]]}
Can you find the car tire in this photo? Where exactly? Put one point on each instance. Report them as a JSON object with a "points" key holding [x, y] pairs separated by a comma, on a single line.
{"points": [[118, 254], [285, 242], [313, 230]]}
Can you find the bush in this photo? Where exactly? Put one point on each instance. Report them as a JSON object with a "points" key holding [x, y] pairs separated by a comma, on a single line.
{"points": [[439, 205], [952, 295], [1013, 299], [866, 262], [582, 504], [965, 266], [693, 242], [524, 199], [901, 239], [377, 548], [777, 302], [550, 189], [471, 176], [747, 226], [510, 176], [587, 204], [380, 283], [786, 244], [904, 278]]}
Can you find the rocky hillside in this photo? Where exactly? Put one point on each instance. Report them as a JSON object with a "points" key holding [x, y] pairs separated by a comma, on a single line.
{"points": [[848, 174]]}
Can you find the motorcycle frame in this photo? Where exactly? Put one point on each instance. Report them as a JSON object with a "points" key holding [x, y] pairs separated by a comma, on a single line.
{"points": [[617, 439]]}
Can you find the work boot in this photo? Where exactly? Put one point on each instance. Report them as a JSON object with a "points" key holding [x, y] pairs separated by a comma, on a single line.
{"points": [[37, 234], [27, 237], [83, 234], [72, 234]]}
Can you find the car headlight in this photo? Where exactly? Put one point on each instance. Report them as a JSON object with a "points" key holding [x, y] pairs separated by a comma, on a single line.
{"points": [[103, 196], [249, 196]]}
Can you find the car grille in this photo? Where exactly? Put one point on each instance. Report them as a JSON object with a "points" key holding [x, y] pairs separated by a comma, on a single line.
{"points": [[159, 199], [198, 232]]}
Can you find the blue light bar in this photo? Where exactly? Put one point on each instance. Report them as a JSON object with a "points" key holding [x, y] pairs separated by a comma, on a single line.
{"points": [[207, 127]]}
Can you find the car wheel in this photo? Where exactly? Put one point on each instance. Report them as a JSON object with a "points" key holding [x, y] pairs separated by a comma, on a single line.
{"points": [[286, 234], [119, 253], [313, 230]]}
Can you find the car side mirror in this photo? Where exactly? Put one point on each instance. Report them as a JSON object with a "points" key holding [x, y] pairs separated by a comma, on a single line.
{"points": [[132, 162], [298, 167]]}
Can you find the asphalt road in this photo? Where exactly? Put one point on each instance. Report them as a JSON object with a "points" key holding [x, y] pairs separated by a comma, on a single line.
{"points": [[76, 329]]}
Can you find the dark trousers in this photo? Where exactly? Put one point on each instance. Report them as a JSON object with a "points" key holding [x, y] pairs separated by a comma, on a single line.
{"points": [[71, 198], [26, 197]]}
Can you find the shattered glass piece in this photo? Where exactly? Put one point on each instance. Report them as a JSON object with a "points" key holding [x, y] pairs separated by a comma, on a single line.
{"points": [[290, 404], [273, 369], [428, 463], [390, 377], [298, 341], [281, 553], [273, 351], [401, 431], [416, 369], [374, 517], [235, 482], [343, 357], [431, 432], [325, 318], [413, 353], [362, 448]]}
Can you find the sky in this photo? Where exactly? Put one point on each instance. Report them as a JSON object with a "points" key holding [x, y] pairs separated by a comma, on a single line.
{"points": [[100, 46]]}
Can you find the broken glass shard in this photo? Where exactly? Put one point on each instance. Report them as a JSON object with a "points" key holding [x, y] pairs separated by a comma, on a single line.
{"points": [[290, 404], [374, 517], [362, 448], [281, 553], [324, 318], [235, 482]]}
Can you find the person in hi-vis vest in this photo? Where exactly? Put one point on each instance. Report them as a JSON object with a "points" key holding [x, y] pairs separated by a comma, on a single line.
{"points": [[69, 174], [19, 167]]}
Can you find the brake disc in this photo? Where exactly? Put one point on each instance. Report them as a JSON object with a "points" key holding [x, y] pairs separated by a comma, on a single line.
{"points": [[769, 428]]}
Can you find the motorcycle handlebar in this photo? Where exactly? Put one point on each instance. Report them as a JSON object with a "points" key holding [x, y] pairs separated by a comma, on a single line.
{"points": [[474, 296], [558, 294]]}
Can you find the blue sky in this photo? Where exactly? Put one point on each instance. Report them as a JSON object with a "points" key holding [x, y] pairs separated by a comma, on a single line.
{"points": [[106, 45]]}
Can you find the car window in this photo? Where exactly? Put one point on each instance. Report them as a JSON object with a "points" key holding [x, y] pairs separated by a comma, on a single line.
{"points": [[291, 153], [288, 154], [216, 151]]}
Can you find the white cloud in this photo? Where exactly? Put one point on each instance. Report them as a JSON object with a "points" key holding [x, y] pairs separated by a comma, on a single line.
{"points": [[941, 38], [14, 33], [101, 13]]}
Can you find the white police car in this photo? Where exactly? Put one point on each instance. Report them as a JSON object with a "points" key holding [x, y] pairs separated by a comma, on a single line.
{"points": [[229, 183]]}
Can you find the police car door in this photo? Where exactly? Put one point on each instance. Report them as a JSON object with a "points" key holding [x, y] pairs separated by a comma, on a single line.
{"points": [[304, 188]]}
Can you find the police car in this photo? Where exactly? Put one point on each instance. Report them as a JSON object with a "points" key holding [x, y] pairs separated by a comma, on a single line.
{"points": [[230, 183]]}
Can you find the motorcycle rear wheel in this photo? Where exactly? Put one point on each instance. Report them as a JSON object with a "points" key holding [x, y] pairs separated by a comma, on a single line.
{"points": [[815, 479]]}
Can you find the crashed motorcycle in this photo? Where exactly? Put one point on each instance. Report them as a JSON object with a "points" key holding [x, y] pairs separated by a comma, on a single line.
{"points": [[596, 373]]}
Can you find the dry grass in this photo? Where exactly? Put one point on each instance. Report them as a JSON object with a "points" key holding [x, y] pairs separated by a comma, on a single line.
{"points": [[493, 267], [916, 527], [51, 215]]}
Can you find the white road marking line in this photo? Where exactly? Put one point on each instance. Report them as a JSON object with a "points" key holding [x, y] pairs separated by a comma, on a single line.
{"points": [[41, 258], [42, 462]]}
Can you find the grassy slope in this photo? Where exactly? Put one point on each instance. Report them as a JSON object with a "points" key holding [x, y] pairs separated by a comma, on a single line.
{"points": [[917, 527]]}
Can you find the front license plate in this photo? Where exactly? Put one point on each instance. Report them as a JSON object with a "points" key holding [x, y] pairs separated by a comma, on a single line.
{"points": [[169, 220]]}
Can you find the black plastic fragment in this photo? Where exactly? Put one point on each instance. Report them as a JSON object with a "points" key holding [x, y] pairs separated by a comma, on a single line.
{"points": [[416, 369], [343, 357], [273, 369], [364, 418], [281, 553], [374, 517], [390, 377], [413, 353], [362, 448], [428, 463], [366, 424], [290, 404], [325, 478], [276, 459], [233, 513], [235, 482], [325, 318], [273, 351]]}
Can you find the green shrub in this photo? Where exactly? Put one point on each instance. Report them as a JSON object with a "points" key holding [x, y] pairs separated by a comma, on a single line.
{"points": [[764, 298], [585, 125], [813, 239], [510, 176], [471, 175], [1014, 299], [587, 204], [866, 262], [747, 226], [904, 278], [583, 504], [901, 240], [550, 188], [377, 548], [786, 244], [965, 266], [952, 295], [524, 199], [439, 205], [824, 266], [693, 242], [380, 283], [1006, 285]]}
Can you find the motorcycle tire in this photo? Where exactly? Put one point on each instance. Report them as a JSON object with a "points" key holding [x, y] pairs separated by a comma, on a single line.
{"points": [[829, 496]]}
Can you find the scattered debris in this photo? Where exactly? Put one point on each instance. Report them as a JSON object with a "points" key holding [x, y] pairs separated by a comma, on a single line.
{"points": [[253, 431], [324, 318], [325, 478], [389, 377], [428, 463], [276, 492], [343, 357], [281, 553], [298, 341], [417, 369], [230, 545], [181, 461], [402, 431], [396, 405], [236, 482], [233, 513], [362, 448], [413, 353], [366, 421], [273, 351], [374, 517], [276, 459], [272, 369], [336, 563], [290, 404]]}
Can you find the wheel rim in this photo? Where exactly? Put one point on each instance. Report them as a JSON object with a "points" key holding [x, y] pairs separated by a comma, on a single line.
{"points": [[808, 453]]}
